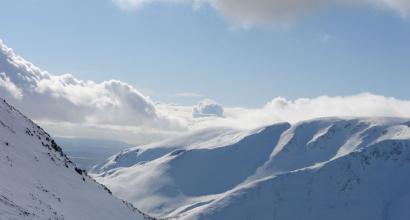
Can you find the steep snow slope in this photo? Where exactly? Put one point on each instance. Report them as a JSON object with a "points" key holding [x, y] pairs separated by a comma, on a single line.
{"points": [[233, 179], [37, 181]]}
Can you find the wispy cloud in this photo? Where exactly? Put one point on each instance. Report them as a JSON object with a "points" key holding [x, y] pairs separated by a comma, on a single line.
{"points": [[248, 13], [326, 37], [188, 95]]}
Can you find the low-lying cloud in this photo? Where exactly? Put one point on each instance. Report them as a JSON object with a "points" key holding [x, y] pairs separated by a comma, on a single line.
{"points": [[8, 86], [112, 109], [283, 110], [207, 108], [246, 13]]}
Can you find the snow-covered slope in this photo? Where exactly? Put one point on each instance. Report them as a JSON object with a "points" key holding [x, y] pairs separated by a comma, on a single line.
{"points": [[202, 139], [37, 180], [329, 168], [373, 183], [186, 175]]}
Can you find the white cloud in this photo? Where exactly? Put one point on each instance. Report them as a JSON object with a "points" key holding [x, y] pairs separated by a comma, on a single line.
{"points": [[51, 98], [360, 105], [401, 6], [246, 13], [9, 86], [281, 110], [207, 108], [66, 98], [113, 109]]}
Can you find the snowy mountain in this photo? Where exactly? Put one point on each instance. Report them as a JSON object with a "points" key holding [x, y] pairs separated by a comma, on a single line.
{"points": [[328, 168], [38, 181]]}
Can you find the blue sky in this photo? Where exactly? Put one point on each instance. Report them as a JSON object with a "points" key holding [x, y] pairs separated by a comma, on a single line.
{"points": [[167, 49]]}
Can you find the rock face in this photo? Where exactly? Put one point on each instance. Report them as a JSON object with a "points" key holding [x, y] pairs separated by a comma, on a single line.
{"points": [[38, 181], [329, 168]]}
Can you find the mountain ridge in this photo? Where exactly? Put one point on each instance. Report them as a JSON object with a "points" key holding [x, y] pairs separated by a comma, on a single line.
{"points": [[183, 179]]}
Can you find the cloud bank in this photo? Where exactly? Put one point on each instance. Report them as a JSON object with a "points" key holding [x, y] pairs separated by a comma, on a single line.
{"points": [[246, 13], [63, 98], [112, 109], [66, 98]]}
